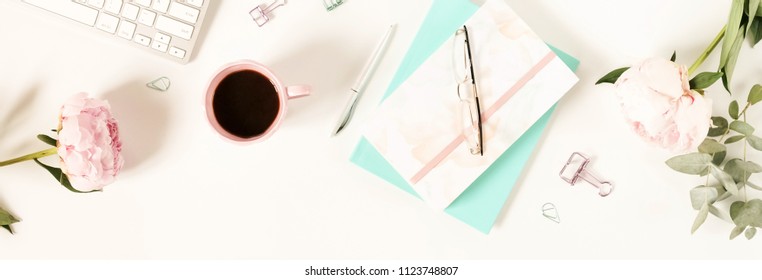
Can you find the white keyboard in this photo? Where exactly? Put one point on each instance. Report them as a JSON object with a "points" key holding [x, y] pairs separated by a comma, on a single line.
{"points": [[168, 28]]}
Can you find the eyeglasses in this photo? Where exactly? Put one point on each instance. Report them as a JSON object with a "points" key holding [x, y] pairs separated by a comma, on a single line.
{"points": [[467, 91]]}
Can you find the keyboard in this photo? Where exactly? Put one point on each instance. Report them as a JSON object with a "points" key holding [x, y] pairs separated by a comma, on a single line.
{"points": [[168, 28]]}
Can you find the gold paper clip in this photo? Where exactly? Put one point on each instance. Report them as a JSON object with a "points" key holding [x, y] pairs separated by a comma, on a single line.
{"points": [[581, 172], [262, 15]]}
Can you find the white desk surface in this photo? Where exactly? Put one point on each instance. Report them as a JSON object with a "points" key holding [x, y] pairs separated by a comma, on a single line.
{"points": [[187, 194]]}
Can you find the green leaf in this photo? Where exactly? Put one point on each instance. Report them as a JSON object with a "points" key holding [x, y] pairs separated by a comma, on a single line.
{"points": [[719, 126], [704, 80], [732, 58], [61, 177], [745, 214], [711, 146], [750, 232], [700, 218], [612, 76], [734, 169], [749, 166], [734, 139], [733, 110], [716, 212], [736, 231], [742, 127], [724, 195], [725, 179], [703, 195], [755, 94], [6, 220], [719, 157], [47, 139], [674, 54], [693, 163], [755, 30], [754, 186], [755, 142], [752, 12], [731, 30]]}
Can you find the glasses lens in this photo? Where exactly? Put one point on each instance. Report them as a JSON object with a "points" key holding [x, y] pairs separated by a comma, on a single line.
{"points": [[470, 124], [459, 57]]}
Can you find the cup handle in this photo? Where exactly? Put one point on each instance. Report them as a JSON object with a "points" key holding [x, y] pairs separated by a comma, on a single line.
{"points": [[298, 91]]}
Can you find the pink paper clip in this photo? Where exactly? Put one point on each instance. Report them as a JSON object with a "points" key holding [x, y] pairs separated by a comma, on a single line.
{"points": [[262, 15], [581, 172]]}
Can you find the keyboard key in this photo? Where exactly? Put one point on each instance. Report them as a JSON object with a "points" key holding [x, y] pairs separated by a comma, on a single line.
{"points": [[95, 3], [144, 3], [113, 6], [177, 52], [146, 17], [107, 23], [130, 12], [142, 39], [126, 30], [183, 12], [162, 38], [161, 6], [68, 9], [197, 3], [174, 27], [159, 46]]}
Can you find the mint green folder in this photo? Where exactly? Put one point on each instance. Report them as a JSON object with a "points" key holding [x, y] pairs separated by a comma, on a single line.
{"points": [[481, 203]]}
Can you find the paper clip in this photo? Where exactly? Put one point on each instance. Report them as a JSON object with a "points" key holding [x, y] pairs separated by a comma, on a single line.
{"points": [[330, 5], [581, 172], [262, 15]]}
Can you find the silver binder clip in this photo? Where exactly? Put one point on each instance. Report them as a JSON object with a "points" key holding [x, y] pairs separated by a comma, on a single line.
{"points": [[576, 168], [261, 14]]}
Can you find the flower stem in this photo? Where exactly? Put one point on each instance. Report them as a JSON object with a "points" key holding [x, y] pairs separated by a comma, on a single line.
{"points": [[706, 52], [43, 153]]}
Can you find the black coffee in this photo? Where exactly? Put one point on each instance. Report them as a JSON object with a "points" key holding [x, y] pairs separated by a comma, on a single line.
{"points": [[246, 103]]}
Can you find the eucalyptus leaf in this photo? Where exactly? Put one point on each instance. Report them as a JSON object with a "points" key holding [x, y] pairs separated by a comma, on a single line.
{"points": [[724, 195], [731, 30], [725, 179], [754, 186], [718, 158], [693, 163], [612, 76], [733, 139], [733, 110], [704, 80], [711, 146], [742, 127], [755, 94], [700, 218], [674, 54], [703, 195], [47, 139], [736, 231], [750, 213], [749, 166], [734, 169], [716, 212], [755, 142], [752, 12], [61, 177], [719, 126], [750, 232]]}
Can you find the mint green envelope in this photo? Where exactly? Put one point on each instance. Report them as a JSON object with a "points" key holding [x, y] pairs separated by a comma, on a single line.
{"points": [[481, 203]]}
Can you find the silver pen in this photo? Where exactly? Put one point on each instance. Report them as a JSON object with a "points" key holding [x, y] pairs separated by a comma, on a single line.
{"points": [[362, 81]]}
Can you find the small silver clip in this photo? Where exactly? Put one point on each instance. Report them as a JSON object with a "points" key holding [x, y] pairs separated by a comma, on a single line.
{"points": [[262, 15], [330, 5], [581, 172], [551, 212]]}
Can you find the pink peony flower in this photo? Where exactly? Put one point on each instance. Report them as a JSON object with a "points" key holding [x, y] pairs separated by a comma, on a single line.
{"points": [[658, 103], [88, 143]]}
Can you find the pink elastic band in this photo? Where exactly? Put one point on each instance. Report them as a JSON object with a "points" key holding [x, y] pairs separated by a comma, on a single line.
{"points": [[485, 117]]}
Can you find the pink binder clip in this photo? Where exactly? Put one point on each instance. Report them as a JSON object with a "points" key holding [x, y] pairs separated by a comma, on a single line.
{"points": [[262, 15], [578, 164]]}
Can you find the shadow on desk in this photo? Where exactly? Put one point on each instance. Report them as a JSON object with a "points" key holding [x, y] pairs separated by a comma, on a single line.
{"points": [[15, 115], [143, 118]]}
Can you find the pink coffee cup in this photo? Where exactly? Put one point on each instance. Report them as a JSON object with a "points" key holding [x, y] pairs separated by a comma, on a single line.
{"points": [[245, 102]]}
